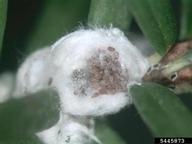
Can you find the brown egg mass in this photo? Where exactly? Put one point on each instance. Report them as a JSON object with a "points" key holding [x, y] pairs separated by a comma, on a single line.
{"points": [[106, 75]]}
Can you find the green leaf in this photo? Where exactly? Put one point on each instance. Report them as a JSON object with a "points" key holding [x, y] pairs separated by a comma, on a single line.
{"points": [[107, 12], [162, 110], [157, 21], [28, 115], [186, 21], [107, 135], [3, 16]]}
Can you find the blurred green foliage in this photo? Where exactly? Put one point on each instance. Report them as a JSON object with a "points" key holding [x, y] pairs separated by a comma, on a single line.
{"points": [[33, 24], [24, 140], [186, 21], [3, 17], [26, 116], [106, 13], [57, 18], [107, 135], [157, 21]]}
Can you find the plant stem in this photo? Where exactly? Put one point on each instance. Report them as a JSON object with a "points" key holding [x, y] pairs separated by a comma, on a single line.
{"points": [[178, 64]]}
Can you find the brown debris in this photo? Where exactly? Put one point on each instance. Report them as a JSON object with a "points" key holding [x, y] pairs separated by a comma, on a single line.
{"points": [[184, 75], [111, 49], [156, 76], [177, 51], [155, 72]]}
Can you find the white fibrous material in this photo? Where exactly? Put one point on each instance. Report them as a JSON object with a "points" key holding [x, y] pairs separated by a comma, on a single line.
{"points": [[70, 130], [93, 69], [6, 86], [34, 74]]}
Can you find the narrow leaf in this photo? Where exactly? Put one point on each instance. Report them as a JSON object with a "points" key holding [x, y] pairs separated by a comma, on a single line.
{"points": [[28, 115], [3, 16], [186, 21], [162, 110], [157, 21], [107, 135], [107, 13]]}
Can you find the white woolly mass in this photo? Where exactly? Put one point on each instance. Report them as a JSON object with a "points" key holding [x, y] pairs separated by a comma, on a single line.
{"points": [[70, 129], [101, 105], [91, 70], [80, 58], [33, 75], [6, 86]]}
